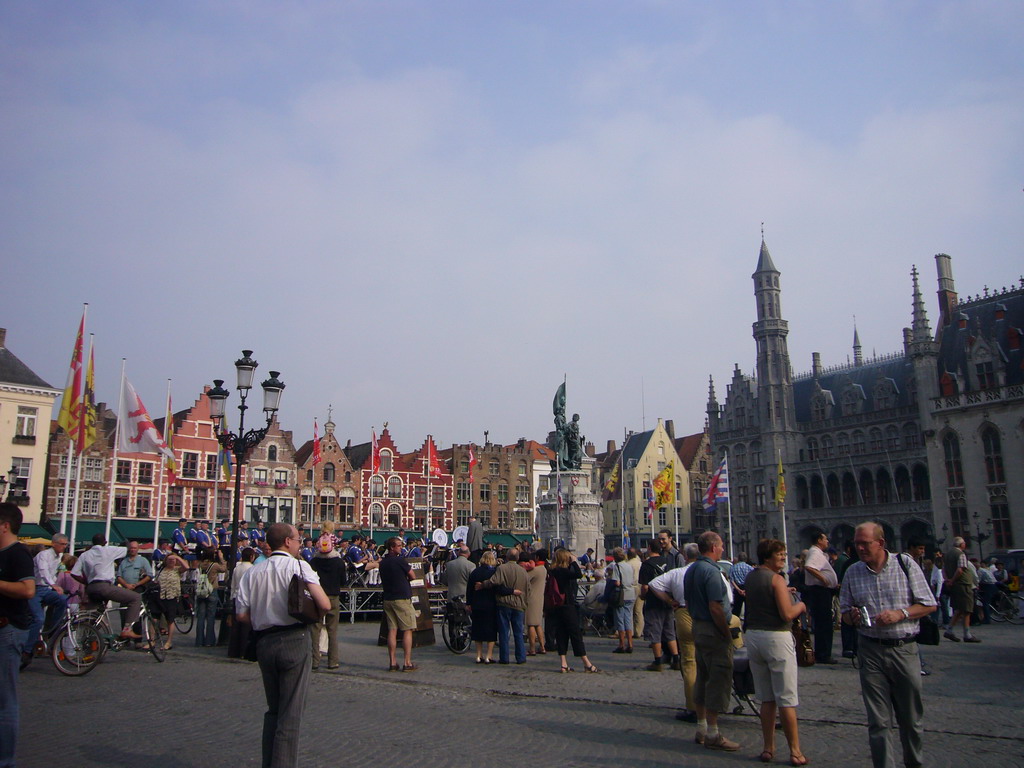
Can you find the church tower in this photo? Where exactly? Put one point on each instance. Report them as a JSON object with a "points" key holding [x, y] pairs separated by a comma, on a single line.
{"points": [[774, 374]]}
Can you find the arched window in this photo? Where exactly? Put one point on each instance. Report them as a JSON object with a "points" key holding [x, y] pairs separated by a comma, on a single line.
{"points": [[377, 513], [903, 490], [739, 456], [843, 444], [272, 453], [832, 488], [867, 486], [817, 492], [827, 451], [892, 438], [385, 460], [801, 493], [376, 486], [328, 472], [858, 443], [812, 449], [884, 486], [954, 469], [394, 487], [755, 455], [849, 490], [875, 438], [395, 516], [922, 489], [911, 436], [993, 455]]}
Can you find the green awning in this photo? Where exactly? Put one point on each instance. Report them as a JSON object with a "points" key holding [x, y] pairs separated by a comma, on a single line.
{"points": [[121, 529]]}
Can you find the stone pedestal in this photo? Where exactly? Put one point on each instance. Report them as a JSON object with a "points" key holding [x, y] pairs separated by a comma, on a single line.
{"points": [[578, 526]]}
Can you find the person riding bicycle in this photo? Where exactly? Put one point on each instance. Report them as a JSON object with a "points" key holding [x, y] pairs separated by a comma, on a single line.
{"points": [[95, 569]]}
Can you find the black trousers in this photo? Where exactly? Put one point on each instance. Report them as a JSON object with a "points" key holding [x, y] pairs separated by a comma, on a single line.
{"points": [[565, 620], [819, 604]]}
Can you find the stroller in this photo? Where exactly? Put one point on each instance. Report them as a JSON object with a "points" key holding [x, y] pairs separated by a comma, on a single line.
{"points": [[742, 682]]}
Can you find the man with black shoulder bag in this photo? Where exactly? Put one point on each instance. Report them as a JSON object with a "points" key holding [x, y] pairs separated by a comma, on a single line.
{"points": [[885, 596], [283, 645]]}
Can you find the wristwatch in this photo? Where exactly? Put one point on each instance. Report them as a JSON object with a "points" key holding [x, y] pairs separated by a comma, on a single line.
{"points": [[906, 613]]}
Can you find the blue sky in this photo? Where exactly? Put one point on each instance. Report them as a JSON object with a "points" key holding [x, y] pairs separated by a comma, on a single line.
{"points": [[427, 213]]}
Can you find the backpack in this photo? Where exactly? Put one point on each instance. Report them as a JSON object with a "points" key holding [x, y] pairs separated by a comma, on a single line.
{"points": [[554, 597], [203, 586]]}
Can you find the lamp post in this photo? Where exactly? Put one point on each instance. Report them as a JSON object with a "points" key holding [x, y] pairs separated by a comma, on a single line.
{"points": [[242, 442], [11, 482], [945, 532], [981, 537]]}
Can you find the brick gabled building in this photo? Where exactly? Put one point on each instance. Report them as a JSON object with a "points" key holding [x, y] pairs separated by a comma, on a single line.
{"points": [[695, 458], [272, 480], [200, 490], [397, 495], [330, 490]]}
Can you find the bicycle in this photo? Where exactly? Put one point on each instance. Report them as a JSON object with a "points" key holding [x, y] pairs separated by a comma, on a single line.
{"points": [[87, 637], [1007, 607], [455, 625], [186, 616]]}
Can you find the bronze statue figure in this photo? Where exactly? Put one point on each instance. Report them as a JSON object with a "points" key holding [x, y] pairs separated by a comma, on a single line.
{"points": [[566, 441]]}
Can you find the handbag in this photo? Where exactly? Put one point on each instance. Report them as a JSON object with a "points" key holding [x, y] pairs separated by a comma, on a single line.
{"points": [[301, 605], [613, 592], [804, 646], [928, 630]]}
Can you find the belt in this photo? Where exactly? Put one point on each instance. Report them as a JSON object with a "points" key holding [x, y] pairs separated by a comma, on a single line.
{"points": [[261, 633], [99, 581], [898, 642]]}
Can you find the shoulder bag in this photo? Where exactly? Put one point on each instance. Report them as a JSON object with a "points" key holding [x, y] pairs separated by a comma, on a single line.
{"points": [[301, 605], [804, 646], [928, 630]]}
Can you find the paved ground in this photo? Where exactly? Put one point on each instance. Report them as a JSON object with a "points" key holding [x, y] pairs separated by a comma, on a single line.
{"points": [[133, 711]]}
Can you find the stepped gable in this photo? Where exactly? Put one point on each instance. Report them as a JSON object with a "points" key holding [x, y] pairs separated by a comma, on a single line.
{"points": [[990, 324], [413, 462]]}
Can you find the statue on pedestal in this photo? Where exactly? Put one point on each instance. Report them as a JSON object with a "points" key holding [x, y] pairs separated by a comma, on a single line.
{"points": [[566, 441]]}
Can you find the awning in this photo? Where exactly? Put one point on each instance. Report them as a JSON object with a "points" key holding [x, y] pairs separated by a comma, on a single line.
{"points": [[121, 529]]}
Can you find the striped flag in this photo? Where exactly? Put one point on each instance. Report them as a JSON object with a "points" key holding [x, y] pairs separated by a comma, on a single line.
{"points": [[70, 416], [170, 462], [719, 487], [317, 458], [648, 502], [625, 535]]}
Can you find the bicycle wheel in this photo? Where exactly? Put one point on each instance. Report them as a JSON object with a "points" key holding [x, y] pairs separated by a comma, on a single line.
{"points": [[1015, 612], [77, 649], [1000, 607], [455, 635], [186, 617], [151, 635]]}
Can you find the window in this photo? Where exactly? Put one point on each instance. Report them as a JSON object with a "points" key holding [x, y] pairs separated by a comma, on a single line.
{"points": [[503, 493], [522, 494], [174, 501], [120, 502], [739, 457], [189, 464], [438, 501], [395, 516], [328, 472], [485, 492], [285, 511], [385, 460], [22, 472], [827, 449], [145, 473], [394, 487], [377, 513], [812, 449], [461, 517], [503, 518], [420, 496], [858, 443], [272, 453], [986, 375], [26, 422], [759, 497], [259, 475], [200, 496], [280, 478], [961, 525], [493, 467], [911, 436], [464, 465], [843, 444], [142, 500], [892, 438], [662, 517], [309, 475], [306, 506], [954, 469], [755, 455], [326, 506], [347, 507], [1001, 530], [211, 466], [993, 456], [224, 503], [875, 438], [742, 499], [522, 519], [522, 469], [463, 491], [63, 472], [90, 503]]}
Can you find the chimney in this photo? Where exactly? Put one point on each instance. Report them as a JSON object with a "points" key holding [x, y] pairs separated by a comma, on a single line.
{"points": [[590, 449], [611, 446], [816, 364], [908, 338], [947, 288], [670, 427], [3, 337]]}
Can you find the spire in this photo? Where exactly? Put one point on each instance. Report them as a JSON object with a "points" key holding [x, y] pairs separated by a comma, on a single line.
{"points": [[711, 391], [922, 330], [858, 357], [764, 259]]}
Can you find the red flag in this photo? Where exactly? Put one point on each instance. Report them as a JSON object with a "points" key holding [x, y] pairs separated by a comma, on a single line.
{"points": [[472, 462], [317, 458], [434, 462], [375, 453]]}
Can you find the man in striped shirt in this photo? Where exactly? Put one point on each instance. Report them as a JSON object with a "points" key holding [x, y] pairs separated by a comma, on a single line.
{"points": [[895, 595]]}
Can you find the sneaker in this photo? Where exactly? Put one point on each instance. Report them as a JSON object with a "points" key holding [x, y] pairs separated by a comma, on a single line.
{"points": [[675, 665], [720, 742], [951, 637], [972, 639], [654, 666], [925, 673]]}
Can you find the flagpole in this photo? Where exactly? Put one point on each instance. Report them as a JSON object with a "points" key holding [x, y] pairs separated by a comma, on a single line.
{"points": [[430, 471], [163, 477], [117, 440], [67, 491], [782, 510], [728, 506], [83, 412], [73, 437], [675, 508], [74, 509], [622, 479]]}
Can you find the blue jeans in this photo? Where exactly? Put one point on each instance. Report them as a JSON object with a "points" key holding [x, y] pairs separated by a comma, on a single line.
{"points": [[509, 619], [11, 642], [206, 620], [45, 597]]}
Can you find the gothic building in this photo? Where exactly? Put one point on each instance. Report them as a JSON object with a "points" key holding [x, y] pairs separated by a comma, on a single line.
{"points": [[916, 440]]}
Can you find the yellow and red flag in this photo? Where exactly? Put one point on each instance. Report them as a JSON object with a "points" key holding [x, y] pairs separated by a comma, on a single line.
{"points": [[665, 487], [70, 416], [87, 433], [170, 461]]}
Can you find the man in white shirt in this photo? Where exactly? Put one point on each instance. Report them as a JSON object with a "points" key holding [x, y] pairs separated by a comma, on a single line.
{"points": [[283, 646], [48, 594], [95, 569], [820, 584]]}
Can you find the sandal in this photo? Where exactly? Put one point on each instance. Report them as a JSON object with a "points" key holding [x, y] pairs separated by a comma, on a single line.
{"points": [[408, 668], [591, 668], [767, 756], [394, 668], [566, 668], [799, 759]]}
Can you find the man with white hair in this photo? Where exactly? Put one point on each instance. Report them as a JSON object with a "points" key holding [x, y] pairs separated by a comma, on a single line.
{"points": [[958, 582], [885, 596], [48, 594]]}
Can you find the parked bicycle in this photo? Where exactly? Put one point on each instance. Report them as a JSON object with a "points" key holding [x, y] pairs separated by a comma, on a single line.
{"points": [[455, 626], [84, 640], [186, 616], [1006, 606]]}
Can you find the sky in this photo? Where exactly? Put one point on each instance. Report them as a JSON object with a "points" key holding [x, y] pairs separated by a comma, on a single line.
{"points": [[429, 213]]}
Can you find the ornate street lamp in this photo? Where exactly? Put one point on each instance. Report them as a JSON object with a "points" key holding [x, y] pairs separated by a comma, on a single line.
{"points": [[981, 537], [945, 532], [242, 442]]}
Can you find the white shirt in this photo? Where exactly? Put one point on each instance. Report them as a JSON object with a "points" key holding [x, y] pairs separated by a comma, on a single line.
{"points": [[97, 563], [671, 583], [819, 561], [263, 590], [46, 564]]}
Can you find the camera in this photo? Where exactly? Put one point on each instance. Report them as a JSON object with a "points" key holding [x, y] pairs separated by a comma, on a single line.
{"points": [[865, 617]]}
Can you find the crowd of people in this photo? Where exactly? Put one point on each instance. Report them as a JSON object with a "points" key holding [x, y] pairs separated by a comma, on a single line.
{"points": [[693, 607]]}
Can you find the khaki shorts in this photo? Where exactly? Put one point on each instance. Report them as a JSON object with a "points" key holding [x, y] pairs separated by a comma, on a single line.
{"points": [[401, 614]]}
